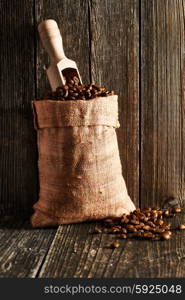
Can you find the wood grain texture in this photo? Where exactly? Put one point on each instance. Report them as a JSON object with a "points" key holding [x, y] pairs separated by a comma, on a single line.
{"points": [[76, 252], [162, 100], [18, 152], [73, 21], [22, 249], [114, 32]]}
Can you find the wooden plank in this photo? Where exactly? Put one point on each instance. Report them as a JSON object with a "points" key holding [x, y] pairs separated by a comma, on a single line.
{"points": [[76, 252], [72, 18], [162, 100], [22, 248], [18, 156], [115, 64]]}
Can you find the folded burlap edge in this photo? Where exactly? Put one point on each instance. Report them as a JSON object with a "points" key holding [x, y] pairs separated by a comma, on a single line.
{"points": [[97, 111]]}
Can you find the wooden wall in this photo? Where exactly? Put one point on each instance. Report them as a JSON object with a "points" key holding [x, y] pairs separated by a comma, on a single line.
{"points": [[135, 47]]}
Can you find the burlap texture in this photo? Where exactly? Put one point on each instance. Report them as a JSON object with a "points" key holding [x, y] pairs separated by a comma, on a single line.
{"points": [[80, 172]]}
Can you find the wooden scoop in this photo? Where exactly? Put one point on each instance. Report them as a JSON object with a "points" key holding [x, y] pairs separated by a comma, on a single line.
{"points": [[61, 69]]}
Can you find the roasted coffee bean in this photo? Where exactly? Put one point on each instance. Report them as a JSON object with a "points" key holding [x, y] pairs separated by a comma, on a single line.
{"points": [[150, 223], [138, 226], [133, 217], [123, 236], [136, 234], [125, 220], [115, 244], [124, 230], [148, 214], [114, 230], [136, 211], [76, 80], [158, 230], [160, 212], [181, 227], [176, 210], [166, 235], [142, 224], [73, 90], [154, 215], [141, 216], [97, 230], [145, 219], [166, 213], [166, 226], [146, 227], [131, 228], [148, 235], [135, 222], [159, 222]]}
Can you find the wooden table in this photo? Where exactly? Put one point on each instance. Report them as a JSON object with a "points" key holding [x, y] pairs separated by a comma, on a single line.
{"points": [[135, 47], [74, 251]]}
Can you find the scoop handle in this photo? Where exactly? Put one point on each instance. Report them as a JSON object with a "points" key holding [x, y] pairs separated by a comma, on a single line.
{"points": [[52, 40]]}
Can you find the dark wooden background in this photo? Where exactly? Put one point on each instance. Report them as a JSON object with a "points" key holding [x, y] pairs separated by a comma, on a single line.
{"points": [[133, 47]]}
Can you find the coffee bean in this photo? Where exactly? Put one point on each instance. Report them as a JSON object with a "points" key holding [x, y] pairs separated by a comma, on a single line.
{"points": [[166, 235], [150, 223], [114, 230], [141, 224], [137, 211], [122, 236], [154, 215], [135, 222], [166, 213], [159, 222], [160, 212], [181, 227], [146, 227], [125, 220], [167, 226], [145, 219], [97, 230], [115, 244], [158, 230], [138, 226], [137, 234], [131, 228], [147, 214], [148, 235], [76, 80], [73, 90], [176, 210]]}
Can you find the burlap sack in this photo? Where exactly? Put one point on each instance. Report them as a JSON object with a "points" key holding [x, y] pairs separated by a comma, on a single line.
{"points": [[79, 165]]}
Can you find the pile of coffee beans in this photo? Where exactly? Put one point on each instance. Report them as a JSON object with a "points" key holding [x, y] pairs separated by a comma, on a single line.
{"points": [[73, 90], [148, 223]]}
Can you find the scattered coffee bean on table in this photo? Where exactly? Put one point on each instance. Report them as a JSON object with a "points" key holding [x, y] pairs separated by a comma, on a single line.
{"points": [[73, 90], [97, 230], [181, 227], [147, 223], [165, 235], [115, 244]]}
